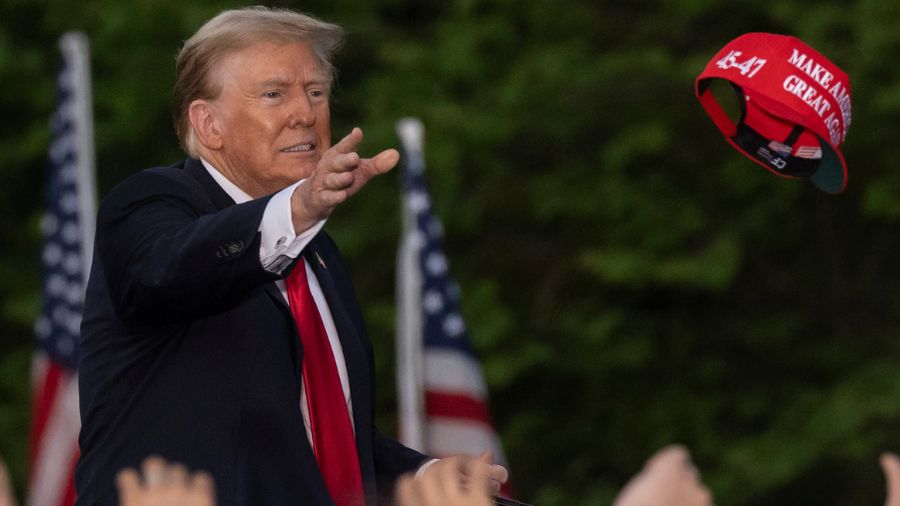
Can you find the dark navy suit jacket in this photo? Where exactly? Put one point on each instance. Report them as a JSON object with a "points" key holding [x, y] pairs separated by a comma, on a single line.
{"points": [[190, 352]]}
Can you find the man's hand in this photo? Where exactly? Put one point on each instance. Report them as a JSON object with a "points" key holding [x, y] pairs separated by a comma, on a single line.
{"points": [[453, 481], [164, 484], [669, 478], [338, 176], [497, 474]]}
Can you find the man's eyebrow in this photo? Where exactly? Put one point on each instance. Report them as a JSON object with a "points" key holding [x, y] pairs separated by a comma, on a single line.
{"points": [[280, 82], [276, 82]]}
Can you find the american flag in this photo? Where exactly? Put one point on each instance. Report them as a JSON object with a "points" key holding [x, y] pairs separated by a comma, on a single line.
{"points": [[67, 226], [442, 392]]}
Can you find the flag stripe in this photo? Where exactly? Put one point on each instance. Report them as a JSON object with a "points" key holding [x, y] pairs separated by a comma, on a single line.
{"points": [[449, 370], [57, 449], [39, 366], [43, 407], [450, 405], [70, 496], [451, 436]]}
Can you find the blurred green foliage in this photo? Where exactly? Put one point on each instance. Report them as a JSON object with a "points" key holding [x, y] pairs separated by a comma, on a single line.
{"points": [[629, 280]]}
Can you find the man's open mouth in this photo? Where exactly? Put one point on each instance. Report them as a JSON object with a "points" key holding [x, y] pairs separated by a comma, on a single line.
{"points": [[299, 148]]}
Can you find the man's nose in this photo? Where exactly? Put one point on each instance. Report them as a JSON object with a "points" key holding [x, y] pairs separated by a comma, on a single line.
{"points": [[302, 114]]}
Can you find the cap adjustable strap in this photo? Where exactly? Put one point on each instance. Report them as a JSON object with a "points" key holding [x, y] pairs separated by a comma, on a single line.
{"points": [[794, 135], [760, 148]]}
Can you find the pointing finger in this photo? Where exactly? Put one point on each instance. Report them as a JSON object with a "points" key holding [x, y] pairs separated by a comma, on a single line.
{"points": [[348, 144]]}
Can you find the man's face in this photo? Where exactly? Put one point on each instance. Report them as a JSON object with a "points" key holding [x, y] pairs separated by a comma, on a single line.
{"points": [[273, 115]]}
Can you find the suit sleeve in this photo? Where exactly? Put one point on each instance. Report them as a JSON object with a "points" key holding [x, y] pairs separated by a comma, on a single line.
{"points": [[393, 459], [170, 255], [280, 245]]}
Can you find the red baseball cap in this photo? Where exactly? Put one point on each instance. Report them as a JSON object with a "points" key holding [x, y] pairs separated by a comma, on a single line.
{"points": [[794, 106]]}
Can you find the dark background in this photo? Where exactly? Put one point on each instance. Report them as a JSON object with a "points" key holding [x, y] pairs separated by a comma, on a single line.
{"points": [[628, 279]]}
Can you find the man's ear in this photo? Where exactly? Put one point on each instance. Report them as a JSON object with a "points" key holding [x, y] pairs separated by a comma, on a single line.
{"points": [[206, 123]]}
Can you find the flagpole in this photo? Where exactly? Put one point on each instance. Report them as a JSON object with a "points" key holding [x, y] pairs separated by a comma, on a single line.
{"points": [[76, 50], [410, 384]]}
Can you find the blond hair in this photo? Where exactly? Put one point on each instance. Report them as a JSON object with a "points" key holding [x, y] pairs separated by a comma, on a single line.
{"points": [[231, 31]]}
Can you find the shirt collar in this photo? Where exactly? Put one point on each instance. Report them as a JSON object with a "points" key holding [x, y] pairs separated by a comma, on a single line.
{"points": [[239, 196]]}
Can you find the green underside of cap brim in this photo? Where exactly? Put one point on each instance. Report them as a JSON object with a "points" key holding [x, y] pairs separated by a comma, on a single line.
{"points": [[830, 176]]}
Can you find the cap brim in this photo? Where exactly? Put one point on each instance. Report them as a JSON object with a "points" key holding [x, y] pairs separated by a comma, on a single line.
{"points": [[831, 177]]}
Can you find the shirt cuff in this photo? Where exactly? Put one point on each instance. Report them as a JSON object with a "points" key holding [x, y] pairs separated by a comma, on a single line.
{"points": [[279, 243], [423, 467]]}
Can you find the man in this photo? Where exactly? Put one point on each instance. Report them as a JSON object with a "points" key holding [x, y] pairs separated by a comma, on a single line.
{"points": [[220, 328]]}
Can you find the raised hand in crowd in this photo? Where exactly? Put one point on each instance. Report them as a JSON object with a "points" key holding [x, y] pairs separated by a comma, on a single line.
{"points": [[890, 465], [452, 481], [162, 484], [7, 497], [669, 478]]}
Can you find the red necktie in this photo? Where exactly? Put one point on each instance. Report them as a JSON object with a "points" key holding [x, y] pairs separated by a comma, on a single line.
{"points": [[329, 420]]}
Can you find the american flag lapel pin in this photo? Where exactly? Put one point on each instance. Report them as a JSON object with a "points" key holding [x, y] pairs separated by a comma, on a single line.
{"points": [[321, 262]]}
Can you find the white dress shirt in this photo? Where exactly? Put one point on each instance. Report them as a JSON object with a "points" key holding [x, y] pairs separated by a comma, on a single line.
{"points": [[279, 246]]}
